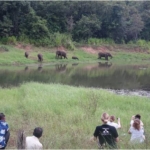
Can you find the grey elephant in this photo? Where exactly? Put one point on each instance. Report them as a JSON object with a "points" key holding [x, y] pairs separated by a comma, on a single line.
{"points": [[40, 57], [105, 55], [26, 54], [60, 54]]}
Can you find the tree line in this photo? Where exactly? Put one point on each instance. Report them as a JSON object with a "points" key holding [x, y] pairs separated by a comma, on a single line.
{"points": [[48, 22]]}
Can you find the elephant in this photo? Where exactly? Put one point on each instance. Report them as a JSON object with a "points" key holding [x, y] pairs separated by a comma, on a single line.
{"points": [[74, 57], [40, 57], [60, 54], [26, 54], [104, 54]]}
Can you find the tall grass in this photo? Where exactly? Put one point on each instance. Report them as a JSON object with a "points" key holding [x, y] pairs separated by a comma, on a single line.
{"points": [[69, 114]]}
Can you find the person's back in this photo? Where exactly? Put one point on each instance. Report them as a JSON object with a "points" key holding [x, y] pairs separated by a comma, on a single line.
{"points": [[137, 132], [4, 132], [32, 142], [106, 134]]}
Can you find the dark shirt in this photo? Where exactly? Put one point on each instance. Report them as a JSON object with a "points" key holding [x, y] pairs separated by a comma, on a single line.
{"points": [[3, 132], [107, 135]]}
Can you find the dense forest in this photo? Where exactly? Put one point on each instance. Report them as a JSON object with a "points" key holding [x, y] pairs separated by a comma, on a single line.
{"points": [[46, 22]]}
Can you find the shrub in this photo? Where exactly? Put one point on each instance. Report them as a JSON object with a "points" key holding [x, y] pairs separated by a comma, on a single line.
{"points": [[3, 49], [58, 39], [8, 40], [97, 42]]}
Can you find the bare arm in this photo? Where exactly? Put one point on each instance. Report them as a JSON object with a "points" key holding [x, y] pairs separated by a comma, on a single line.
{"points": [[119, 124], [93, 138], [129, 132], [117, 139]]}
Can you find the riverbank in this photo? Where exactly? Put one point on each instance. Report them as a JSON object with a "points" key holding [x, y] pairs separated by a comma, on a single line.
{"points": [[69, 114], [14, 54]]}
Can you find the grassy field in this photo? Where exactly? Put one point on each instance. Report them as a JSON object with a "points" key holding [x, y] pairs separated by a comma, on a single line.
{"points": [[69, 114], [12, 55]]}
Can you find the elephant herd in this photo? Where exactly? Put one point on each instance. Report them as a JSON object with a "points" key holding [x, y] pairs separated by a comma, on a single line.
{"points": [[39, 56], [62, 54]]}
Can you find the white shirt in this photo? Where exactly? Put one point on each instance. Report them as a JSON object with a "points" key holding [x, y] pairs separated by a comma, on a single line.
{"points": [[137, 136], [113, 124], [33, 142]]}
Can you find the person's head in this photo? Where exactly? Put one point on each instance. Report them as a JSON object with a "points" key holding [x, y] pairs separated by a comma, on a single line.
{"points": [[38, 132], [105, 117], [2, 116], [136, 124], [138, 116], [112, 118]]}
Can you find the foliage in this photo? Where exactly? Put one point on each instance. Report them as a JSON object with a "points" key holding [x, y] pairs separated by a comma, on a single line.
{"points": [[34, 21], [8, 40], [3, 49], [87, 27], [65, 40], [97, 42]]}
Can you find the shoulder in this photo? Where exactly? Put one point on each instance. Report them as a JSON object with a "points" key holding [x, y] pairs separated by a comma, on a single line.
{"points": [[97, 127], [29, 138], [4, 125]]}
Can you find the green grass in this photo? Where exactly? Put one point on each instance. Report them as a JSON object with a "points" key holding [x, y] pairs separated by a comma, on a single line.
{"points": [[15, 56], [69, 114]]}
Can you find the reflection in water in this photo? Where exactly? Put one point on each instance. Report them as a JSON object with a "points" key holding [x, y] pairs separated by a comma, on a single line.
{"points": [[105, 64], [39, 67], [74, 64], [26, 68], [60, 67], [101, 75]]}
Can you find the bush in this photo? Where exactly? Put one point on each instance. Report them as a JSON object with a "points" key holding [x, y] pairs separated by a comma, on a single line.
{"points": [[58, 39], [23, 38], [97, 42], [12, 40], [8, 40], [3, 49]]}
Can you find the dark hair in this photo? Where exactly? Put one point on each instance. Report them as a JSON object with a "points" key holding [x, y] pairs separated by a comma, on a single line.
{"points": [[136, 124], [38, 132], [138, 116], [2, 116]]}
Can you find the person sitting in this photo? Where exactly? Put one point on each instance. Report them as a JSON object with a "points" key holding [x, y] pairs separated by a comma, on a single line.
{"points": [[107, 135], [112, 123], [32, 142], [4, 132], [138, 116], [137, 132]]}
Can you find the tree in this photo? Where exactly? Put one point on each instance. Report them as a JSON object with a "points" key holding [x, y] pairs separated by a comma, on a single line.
{"points": [[34, 26], [86, 27], [131, 24]]}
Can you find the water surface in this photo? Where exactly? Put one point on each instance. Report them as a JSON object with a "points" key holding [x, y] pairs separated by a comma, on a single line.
{"points": [[121, 79]]}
